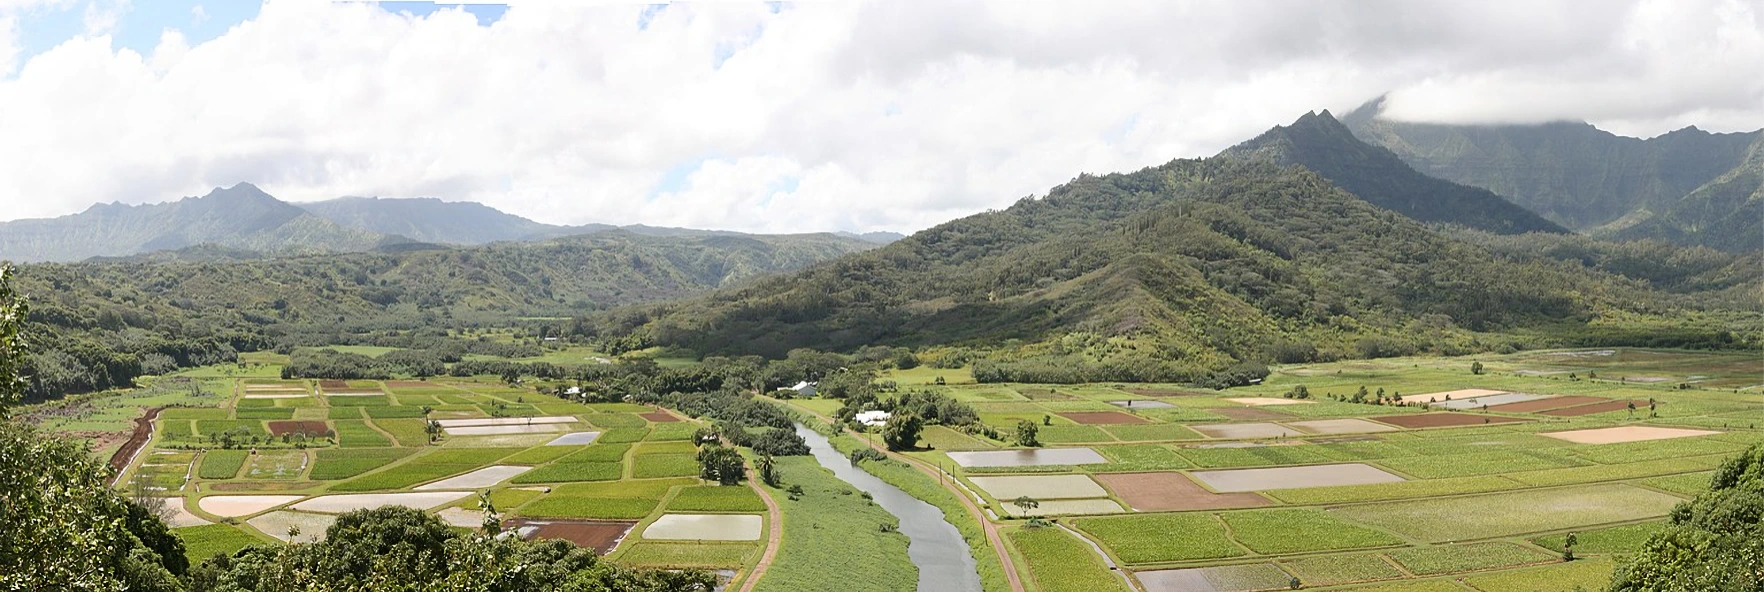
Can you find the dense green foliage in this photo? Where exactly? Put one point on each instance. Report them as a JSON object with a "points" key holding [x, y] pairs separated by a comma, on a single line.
{"points": [[1715, 542], [394, 548], [61, 526], [1179, 273], [115, 320]]}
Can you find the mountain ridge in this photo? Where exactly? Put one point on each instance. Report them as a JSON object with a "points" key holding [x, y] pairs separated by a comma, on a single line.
{"points": [[1323, 144], [1574, 173]]}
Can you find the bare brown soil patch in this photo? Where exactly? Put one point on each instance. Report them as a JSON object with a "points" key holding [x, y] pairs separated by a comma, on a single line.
{"points": [[601, 536], [1161, 492], [659, 417], [333, 384], [297, 427], [1597, 408], [1545, 404], [1249, 413], [143, 432], [1102, 417], [1443, 420]]}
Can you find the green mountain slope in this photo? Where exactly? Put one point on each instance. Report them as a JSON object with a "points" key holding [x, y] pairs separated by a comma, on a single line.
{"points": [[1320, 143], [241, 217], [105, 319], [1570, 172], [1726, 214], [1173, 272]]}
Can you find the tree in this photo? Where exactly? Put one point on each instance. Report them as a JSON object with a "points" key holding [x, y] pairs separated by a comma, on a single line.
{"points": [[767, 469], [64, 528], [1476, 368], [1714, 542], [1046, 419], [396, 548], [1299, 392], [13, 349], [492, 524], [1568, 546], [1024, 504], [723, 465], [1026, 433], [902, 431]]}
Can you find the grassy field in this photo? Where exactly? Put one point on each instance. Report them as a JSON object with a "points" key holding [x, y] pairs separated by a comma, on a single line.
{"points": [[202, 542], [833, 538], [1058, 562], [1162, 537]]}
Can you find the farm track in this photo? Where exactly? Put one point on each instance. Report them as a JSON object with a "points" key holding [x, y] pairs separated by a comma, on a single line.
{"points": [[992, 535], [774, 541], [125, 456]]}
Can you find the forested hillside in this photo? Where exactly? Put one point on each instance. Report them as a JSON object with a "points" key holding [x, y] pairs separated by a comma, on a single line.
{"points": [[431, 220], [1178, 272], [1320, 143], [114, 320], [1727, 213]]}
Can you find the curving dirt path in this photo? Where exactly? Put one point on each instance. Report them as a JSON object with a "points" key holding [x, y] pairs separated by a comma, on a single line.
{"points": [[137, 440], [1004, 556], [775, 518]]}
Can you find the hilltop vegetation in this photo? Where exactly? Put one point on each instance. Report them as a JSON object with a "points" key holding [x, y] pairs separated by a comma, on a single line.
{"points": [[1179, 272], [115, 320]]}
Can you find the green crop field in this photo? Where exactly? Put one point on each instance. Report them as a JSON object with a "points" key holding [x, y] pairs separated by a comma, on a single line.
{"points": [[716, 499], [1616, 539], [202, 542], [1301, 530], [1162, 537], [335, 464], [687, 555], [221, 464], [1507, 514], [1061, 563], [1446, 559], [1330, 570]]}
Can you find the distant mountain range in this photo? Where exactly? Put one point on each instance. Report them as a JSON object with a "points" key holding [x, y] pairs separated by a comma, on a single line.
{"points": [[1689, 186], [243, 222]]}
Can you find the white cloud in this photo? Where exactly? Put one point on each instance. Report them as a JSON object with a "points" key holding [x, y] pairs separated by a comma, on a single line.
{"points": [[854, 115]]}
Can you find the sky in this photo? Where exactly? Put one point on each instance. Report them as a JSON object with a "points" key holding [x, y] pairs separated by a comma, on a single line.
{"points": [[792, 116]]}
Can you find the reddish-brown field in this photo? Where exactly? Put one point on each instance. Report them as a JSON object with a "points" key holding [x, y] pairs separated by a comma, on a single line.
{"points": [[659, 417], [1545, 404], [333, 384], [297, 427], [1102, 417], [601, 536], [1591, 409], [143, 432], [1249, 413], [1164, 492], [1443, 420]]}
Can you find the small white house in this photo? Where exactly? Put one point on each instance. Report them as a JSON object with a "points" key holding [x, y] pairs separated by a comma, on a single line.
{"points": [[872, 418], [804, 389], [574, 391]]}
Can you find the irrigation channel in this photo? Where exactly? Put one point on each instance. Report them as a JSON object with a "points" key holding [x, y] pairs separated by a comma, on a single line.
{"points": [[935, 546]]}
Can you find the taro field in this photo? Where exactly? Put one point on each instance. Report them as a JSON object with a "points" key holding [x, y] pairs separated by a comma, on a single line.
{"points": [[1457, 482], [257, 460]]}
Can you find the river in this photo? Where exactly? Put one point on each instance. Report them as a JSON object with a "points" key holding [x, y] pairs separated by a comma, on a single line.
{"points": [[936, 547]]}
